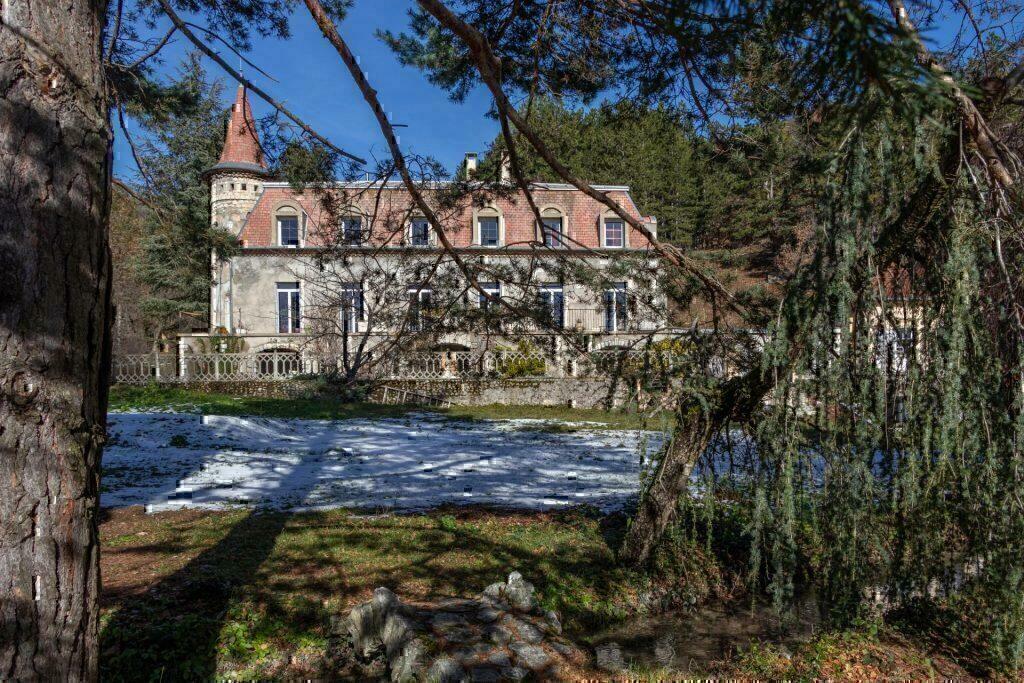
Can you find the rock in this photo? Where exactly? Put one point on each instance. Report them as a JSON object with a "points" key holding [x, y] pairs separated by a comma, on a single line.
{"points": [[455, 640], [609, 657], [459, 635], [488, 615], [499, 634], [397, 631], [514, 673], [531, 656], [664, 650], [484, 674], [519, 592], [445, 670], [409, 662], [363, 627], [554, 623], [499, 658], [528, 632], [471, 653], [384, 600], [446, 620]]}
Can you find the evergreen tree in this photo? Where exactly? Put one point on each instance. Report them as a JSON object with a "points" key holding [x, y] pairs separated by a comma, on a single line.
{"points": [[174, 258]]}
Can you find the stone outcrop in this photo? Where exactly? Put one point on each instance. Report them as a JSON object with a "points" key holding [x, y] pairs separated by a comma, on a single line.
{"points": [[500, 635]]}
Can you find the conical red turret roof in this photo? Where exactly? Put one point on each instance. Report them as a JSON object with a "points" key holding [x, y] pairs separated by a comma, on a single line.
{"points": [[241, 145]]}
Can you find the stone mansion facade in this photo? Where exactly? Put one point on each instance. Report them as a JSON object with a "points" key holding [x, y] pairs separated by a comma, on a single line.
{"points": [[358, 259]]}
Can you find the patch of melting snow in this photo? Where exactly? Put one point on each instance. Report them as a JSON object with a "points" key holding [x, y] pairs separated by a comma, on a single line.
{"points": [[410, 463]]}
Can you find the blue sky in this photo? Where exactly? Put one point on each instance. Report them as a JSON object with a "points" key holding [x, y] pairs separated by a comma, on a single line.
{"points": [[314, 84]]}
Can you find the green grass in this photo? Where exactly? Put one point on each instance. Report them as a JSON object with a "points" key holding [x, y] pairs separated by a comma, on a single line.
{"points": [[156, 397], [196, 595]]}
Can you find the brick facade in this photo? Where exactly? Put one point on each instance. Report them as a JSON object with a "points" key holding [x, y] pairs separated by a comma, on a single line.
{"points": [[390, 213]]}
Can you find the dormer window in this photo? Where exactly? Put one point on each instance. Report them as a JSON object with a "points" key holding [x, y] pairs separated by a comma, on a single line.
{"points": [[419, 233], [552, 228], [614, 234], [490, 234], [288, 229], [352, 230]]}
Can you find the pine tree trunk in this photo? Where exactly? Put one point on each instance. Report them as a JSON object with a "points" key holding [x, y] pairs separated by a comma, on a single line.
{"points": [[54, 334]]}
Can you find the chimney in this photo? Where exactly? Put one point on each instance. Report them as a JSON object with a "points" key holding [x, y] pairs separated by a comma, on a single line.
{"points": [[506, 169], [470, 165]]}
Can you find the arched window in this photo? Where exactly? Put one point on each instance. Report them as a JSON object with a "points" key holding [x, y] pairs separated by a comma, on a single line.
{"points": [[488, 227], [288, 234], [553, 228], [419, 232]]}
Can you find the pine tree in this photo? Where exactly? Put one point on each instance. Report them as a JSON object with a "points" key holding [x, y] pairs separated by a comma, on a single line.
{"points": [[174, 259]]}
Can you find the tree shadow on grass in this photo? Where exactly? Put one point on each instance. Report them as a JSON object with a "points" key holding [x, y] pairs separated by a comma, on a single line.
{"points": [[172, 632], [578, 578]]}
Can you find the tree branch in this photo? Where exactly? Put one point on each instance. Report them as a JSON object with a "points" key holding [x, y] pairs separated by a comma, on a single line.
{"points": [[205, 49], [971, 118], [489, 69]]}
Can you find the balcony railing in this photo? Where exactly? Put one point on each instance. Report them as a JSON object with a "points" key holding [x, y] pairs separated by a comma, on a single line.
{"points": [[283, 365]]}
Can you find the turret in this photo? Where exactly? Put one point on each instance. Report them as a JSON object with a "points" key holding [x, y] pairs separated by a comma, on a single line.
{"points": [[236, 181]]}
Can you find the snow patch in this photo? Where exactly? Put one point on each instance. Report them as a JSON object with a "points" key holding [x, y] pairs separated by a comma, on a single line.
{"points": [[170, 461]]}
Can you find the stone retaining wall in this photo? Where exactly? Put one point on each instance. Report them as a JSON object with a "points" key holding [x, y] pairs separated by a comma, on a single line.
{"points": [[292, 388], [577, 393]]}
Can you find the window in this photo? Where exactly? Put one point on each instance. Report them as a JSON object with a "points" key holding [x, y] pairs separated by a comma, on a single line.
{"points": [[420, 303], [288, 308], [243, 186], [552, 229], [493, 289], [352, 310], [288, 231], [615, 313], [614, 234], [894, 348], [352, 230], [420, 233], [489, 233], [553, 302]]}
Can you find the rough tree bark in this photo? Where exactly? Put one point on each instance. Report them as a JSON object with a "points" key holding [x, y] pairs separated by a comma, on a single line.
{"points": [[54, 334], [696, 426]]}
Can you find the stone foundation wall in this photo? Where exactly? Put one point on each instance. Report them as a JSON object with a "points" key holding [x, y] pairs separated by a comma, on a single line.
{"points": [[577, 393], [292, 388]]}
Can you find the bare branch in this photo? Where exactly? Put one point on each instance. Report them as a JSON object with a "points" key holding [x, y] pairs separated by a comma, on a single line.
{"points": [[489, 69], [152, 53], [205, 49]]}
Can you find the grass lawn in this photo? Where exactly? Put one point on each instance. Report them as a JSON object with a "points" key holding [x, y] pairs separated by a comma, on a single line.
{"points": [[195, 595], [156, 397], [192, 594]]}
